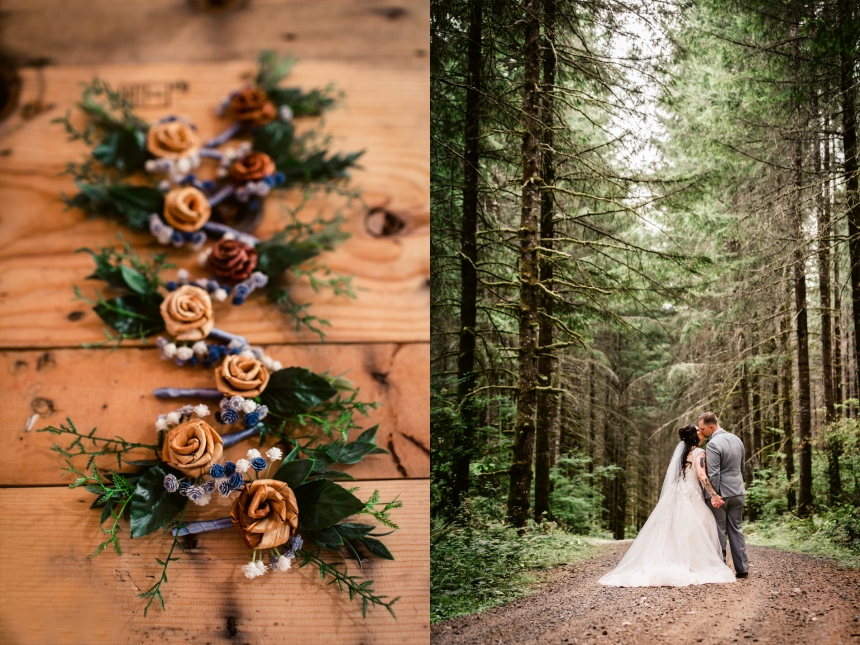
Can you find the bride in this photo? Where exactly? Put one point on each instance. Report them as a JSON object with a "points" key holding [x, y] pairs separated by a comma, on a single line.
{"points": [[679, 544]]}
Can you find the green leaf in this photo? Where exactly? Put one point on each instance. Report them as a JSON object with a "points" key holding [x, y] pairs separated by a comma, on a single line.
{"points": [[336, 474], [295, 390], [134, 279], [322, 503], [293, 454], [274, 258], [377, 548], [327, 536], [369, 434], [353, 530], [141, 462], [107, 511], [354, 452], [123, 149], [152, 507], [131, 315], [276, 140], [302, 104], [295, 472], [137, 203]]}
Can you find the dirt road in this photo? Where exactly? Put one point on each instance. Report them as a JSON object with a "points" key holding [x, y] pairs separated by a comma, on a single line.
{"points": [[788, 598]]}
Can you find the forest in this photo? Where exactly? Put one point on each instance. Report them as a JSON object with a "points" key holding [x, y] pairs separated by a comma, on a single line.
{"points": [[641, 211]]}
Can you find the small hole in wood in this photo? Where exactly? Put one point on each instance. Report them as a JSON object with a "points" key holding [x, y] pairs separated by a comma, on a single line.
{"points": [[216, 5], [10, 89], [383, 223], [76, 315], [392, 13]]}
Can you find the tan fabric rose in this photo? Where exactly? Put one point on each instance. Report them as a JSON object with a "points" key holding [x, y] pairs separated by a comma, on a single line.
{"points": [[252, 106], [187, 313], [192, 447], [241, 376], [186, 209], [265, 514], [251, 167], [172, 140]]}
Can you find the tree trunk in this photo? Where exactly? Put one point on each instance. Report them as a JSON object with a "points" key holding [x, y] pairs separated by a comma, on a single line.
{"points": [[592, 430], [838, 391], [524, 424], [546, 361], [468, 265], [852, 194], [756, 411], [801, 323], [787, 413], [822, 208], [746, 428], [825, 223]]}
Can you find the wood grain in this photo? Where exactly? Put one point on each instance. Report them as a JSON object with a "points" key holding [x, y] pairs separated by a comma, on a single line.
{"points": [[112, 390], [89, 31], [54, 594], [386, 114]]}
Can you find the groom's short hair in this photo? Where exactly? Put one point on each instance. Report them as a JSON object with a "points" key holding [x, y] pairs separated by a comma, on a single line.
{"points": [[710, 419]]}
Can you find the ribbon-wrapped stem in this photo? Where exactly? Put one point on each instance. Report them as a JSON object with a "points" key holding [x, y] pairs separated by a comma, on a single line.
{"points": [[203, 526], [232, 130], [226, 336], [235, 437], [183, 392], [220, 229], [221, 195]]}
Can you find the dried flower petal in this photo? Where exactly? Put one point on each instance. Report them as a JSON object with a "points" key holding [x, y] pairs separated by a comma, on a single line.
{"points": [[187, 313], [265, 513], [172, 140], [239, 375], [192, 447]]}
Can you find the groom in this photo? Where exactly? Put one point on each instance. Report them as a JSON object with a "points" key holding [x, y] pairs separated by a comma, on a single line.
{"points": [[725, 457]]}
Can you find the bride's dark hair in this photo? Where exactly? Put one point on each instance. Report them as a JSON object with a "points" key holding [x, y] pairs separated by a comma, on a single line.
{"points": [[690, 436]]}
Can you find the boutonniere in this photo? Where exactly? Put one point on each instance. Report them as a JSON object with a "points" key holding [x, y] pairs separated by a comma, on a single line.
{"points": [[148, 176], [285, 505]]}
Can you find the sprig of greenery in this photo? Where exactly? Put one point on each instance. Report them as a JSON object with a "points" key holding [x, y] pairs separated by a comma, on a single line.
{"points": [[101, 195], [135, 312], [155, 590], [381, 515], [353, 584], [110, 114], [273, 69], [337, 415], [117, 446], [114, 495], [110, 118]]}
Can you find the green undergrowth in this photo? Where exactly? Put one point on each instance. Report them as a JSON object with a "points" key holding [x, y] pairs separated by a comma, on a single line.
{"points": [[834, 534], [474, 568]]}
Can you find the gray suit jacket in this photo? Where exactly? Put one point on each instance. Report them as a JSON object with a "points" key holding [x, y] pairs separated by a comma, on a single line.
{"points": [[725, 456]]}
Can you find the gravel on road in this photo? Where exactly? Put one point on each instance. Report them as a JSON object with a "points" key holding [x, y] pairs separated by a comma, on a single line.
{"points": [[788, 598]]}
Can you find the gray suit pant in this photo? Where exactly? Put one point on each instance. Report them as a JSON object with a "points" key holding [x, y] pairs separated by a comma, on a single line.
{"points": [[728, 519]]}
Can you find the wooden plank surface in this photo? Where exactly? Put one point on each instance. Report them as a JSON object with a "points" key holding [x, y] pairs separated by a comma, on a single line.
{"points": [[378, 32], [374, 51], [54, 594], [112, 390], [386, 114]]}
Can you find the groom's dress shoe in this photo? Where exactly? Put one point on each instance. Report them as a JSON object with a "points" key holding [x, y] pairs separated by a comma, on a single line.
{"points": [[741, 575]]}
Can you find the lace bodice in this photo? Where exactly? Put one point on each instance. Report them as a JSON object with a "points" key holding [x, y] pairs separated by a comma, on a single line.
{"points": [[689, 485]]}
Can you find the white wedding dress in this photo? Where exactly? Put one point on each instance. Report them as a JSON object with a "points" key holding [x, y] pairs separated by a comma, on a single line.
{"points": [[679, 544]]}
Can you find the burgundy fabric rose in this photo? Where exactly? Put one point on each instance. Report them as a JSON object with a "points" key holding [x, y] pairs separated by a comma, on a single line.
{"points": [[231, 260], [251, 167], [252, 106]]}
